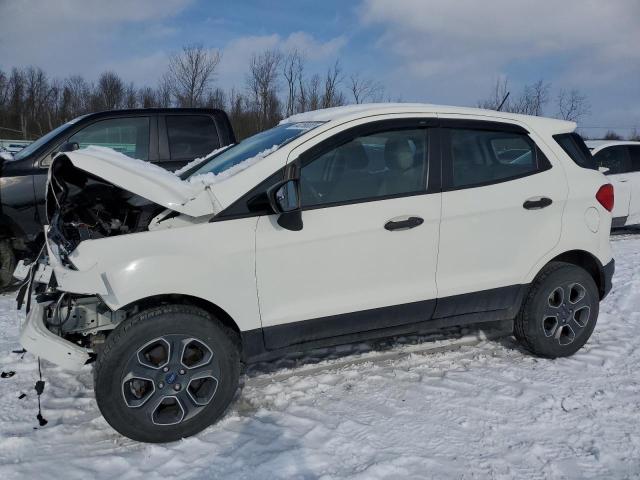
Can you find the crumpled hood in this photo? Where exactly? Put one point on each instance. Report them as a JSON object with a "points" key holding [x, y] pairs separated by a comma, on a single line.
{"points": [[146, 180]]}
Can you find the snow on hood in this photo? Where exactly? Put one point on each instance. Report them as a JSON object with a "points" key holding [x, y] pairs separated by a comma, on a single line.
{"points": [[146, 180], [199, 160], [212, 178]]}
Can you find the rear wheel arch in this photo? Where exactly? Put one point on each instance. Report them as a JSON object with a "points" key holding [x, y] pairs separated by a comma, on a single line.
{"points": [[586, 261]]}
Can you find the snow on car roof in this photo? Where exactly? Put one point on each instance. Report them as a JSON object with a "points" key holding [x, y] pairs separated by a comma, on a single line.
{"points": [[350, 112]]}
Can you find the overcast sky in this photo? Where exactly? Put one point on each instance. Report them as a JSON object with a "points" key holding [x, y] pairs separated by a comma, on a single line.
{"points": [[436, 51]]}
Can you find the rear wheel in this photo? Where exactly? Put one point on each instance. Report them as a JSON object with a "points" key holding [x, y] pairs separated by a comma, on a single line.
{"points": [[559, 312], [7, 263], [166, 374]]}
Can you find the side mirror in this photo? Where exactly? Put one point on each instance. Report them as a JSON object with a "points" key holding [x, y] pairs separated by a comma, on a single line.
{"points": [[69, 147], [604, 170], [284, 198]]}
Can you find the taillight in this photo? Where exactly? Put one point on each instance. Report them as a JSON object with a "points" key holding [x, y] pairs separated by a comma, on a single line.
{"points": [[605, 196]]}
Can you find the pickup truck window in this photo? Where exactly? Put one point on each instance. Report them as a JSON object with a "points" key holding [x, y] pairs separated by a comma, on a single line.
{"points": [[129, 136], [191, 136]]}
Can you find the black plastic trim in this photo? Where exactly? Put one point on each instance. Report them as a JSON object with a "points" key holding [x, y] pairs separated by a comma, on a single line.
{"points": [[618, 222], [485, 306], [607, 276]]}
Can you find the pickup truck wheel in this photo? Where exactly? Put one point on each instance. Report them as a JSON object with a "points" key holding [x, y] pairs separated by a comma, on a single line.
{"points": [[166, 373], [559, 312], [7, 263]]}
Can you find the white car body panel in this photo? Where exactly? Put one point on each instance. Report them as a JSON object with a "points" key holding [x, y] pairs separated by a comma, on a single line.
{"points": [[345, 257], [343, 260], [213, 261], [626, 185]]}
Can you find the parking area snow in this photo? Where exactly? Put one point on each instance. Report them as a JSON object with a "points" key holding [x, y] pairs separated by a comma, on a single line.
{"points": [[484, 409]]}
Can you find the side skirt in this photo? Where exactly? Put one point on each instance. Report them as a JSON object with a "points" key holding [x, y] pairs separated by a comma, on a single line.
{"points": [[265, 344]]}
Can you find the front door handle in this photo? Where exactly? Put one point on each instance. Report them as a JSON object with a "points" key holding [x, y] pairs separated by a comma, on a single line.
{"points": [[405, 224], [536, 203]]}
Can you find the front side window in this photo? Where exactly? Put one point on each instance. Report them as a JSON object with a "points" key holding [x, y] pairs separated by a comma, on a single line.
{"points": [[129, 136], [481, 157], [367, 167], [616, 159], [191, 136]]}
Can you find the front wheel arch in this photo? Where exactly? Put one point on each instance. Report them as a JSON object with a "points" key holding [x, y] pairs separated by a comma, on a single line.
{"points": [[180, 299]]}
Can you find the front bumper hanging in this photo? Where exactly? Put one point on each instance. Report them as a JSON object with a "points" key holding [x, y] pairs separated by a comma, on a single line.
{"points": [[36, 338]]}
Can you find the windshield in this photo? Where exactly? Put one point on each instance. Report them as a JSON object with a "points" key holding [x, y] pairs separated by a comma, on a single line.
{"points": [[32, 147], [252, 147]]}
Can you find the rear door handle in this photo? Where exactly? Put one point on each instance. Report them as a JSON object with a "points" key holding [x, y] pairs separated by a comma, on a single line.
{"points": [[536, 203], [403, 223]]}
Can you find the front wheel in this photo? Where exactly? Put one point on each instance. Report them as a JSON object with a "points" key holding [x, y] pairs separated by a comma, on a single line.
{"points": [[560, 311], [166, 373]]}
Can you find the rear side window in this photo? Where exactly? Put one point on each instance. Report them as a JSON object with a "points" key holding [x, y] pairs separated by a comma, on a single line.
{"points": [[634, 153], [616, 159], [482, 157], [574, 146], [191, 136]]}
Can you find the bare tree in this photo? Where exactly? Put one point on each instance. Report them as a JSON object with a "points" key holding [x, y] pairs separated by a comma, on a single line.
{"points": [[634, 136], [110, 91], [611, 135], [365, 89], [191, 72], [293, 67], [216, 98], [332, 96], [533, 99], [498, 95], [572, 105], [130, 96], [164, 92], [262, 83], [147, 97]]}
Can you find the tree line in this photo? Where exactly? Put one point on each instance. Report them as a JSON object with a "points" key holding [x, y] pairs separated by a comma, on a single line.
{"points": [[537, 98], [277, 84]]}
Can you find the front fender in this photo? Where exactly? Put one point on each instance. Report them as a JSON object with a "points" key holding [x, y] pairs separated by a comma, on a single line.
{"points": [[212, 261]]}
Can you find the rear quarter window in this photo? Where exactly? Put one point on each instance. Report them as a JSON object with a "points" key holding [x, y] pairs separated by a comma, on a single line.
{"points": [[574, 146]]}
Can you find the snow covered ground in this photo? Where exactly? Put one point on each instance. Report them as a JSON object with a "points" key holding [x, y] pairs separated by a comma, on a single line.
{"points": [[481, 410]]}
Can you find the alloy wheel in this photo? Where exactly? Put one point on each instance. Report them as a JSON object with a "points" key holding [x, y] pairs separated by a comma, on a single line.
{"points": [[566, 313], [170, 379]]}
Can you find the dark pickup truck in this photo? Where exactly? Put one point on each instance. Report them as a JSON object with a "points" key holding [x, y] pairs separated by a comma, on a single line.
{"points": [[168, 137]]}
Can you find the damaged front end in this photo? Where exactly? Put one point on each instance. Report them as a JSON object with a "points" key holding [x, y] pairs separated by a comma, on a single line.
{"points": [[90, 198]]}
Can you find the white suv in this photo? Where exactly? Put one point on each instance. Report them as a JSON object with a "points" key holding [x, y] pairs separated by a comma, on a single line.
{"points": [[620, 161], [340, 224]]}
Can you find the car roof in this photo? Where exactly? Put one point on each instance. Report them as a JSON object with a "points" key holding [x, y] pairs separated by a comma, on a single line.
{"points": [[600, 144], [351, 112], [149, 111]]}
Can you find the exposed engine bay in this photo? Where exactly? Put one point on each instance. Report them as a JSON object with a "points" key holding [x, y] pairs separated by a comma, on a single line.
{"points": [[81, 206]]}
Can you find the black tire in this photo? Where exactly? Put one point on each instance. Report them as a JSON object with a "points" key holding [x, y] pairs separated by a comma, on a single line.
{"points": [[165, 405], [559, 312], [7, 263]]}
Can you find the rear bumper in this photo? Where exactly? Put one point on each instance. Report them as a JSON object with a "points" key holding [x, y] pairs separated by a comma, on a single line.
{"points": [[607, 277], [36, 338]]}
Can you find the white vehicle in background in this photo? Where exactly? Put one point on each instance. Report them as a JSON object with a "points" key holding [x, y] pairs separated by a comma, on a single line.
{"points": [[620, 161], [335, 226]]}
